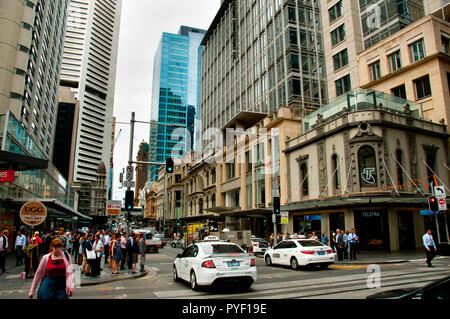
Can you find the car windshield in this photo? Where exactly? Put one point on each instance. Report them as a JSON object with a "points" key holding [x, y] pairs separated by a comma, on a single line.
{"points": [[222, 249], [309, 243]]}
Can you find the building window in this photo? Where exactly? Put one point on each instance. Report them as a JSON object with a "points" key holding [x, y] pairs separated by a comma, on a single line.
{"points": [[422, 87], [395, 61], [375, 71], [417, 51], [340, 60], [367, 166], [445, 45], [304, 179], [338, 35], [335, 11], [335, 166], [343, 85], [399, 91]]}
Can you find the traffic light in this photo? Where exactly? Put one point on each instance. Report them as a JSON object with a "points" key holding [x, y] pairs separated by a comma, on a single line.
{"points": [[433, 204], [169, 165], [276, 205], [129, 198]]}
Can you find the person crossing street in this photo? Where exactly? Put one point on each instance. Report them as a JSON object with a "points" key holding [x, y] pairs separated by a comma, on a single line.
{"points": [[430, 247]]}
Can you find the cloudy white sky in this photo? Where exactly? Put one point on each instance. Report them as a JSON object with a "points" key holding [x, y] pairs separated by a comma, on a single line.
{"points": [[142, 25]]}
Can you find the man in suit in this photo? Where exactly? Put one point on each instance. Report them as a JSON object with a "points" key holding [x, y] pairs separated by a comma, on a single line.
{"points": [[3, 249], [340, 245], [430, 247]]}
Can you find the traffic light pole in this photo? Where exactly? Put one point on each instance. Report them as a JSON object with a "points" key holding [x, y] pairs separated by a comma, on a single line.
{"points": [[130, 161]]}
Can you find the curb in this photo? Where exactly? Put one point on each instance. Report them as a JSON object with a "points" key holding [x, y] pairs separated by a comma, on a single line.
{"points": [[140, 275]]}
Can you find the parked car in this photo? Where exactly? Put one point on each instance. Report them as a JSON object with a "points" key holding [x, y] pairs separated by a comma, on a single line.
{"points": [[259, 245], [177, 243], [213, 261], [437, 290], [300, 252]]}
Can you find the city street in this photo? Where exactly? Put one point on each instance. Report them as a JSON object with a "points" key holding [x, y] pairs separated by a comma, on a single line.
{"points": [[340, 281]]}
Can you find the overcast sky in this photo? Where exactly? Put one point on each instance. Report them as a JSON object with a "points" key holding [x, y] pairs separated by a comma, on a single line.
{"points": [[142, 25]]}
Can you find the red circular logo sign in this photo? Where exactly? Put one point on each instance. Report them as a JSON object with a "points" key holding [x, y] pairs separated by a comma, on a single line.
{"points": [[441, 201]]}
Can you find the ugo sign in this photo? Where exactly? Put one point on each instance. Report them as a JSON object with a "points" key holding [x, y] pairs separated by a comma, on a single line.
{"points": [[33, 213]]}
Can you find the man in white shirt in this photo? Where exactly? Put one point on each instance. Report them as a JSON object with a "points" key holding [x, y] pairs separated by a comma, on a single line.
{"points": [[430, 247], [21, 241], [3, 249]]}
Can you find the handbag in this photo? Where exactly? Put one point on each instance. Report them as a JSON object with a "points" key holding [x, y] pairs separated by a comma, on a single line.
{"points": [[90, 254]]}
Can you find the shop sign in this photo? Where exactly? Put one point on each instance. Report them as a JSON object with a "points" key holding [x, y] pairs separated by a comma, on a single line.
{"points": [[7, 176], [427, 212], [313, 217], [33, 213], [371, 214], [113, 207]]}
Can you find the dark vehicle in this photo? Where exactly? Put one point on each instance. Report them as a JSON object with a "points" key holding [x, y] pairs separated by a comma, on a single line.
{"points": [[437, 290]]}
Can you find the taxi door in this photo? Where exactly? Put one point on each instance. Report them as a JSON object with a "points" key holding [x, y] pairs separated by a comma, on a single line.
{"points": [[278, 252], [184, 263]]}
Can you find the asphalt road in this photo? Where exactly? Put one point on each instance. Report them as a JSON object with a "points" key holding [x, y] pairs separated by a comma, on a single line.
{"points": [[337, 282]]}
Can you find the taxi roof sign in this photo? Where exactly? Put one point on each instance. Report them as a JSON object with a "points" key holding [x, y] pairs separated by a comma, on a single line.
{"points": [[211, 238]]}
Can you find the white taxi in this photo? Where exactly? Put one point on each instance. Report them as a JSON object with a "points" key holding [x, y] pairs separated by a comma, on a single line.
{"points": [[213, 261], [300, 252]]}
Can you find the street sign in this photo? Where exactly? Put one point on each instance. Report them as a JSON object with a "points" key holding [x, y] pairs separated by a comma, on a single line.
{"points": [[427, 212], [113, 207], [442, 203], [439, 192], [313, 217], [130, 173], [284, 218], [274, 218], [33, 213]]}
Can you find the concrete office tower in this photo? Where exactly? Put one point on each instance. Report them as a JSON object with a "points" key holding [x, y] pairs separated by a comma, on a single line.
{"points": [[31, 46], [89, 69], [175, 95], [261, 56]]}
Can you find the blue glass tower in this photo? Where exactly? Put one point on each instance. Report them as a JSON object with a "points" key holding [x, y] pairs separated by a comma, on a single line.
{"points": [[175, 95]]}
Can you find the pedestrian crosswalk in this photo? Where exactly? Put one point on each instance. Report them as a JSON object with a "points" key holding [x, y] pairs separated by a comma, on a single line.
{"points": [[317, 288]]}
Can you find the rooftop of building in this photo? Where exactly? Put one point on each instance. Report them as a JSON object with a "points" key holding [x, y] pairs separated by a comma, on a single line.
{"points": [[359, 100]]}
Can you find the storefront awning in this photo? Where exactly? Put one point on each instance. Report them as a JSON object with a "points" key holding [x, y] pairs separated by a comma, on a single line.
{"points": [[218, 209], [354, 202], [19, 162], [52, 203], [254, 212], [201, 218]]}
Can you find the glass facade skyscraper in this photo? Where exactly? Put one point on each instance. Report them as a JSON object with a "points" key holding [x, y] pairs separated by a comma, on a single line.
{"points": [[175, 97]]}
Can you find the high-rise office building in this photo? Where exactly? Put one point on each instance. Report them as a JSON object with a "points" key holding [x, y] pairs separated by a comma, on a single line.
{"points": [[351, 26], [175, 95], [258, 57], [31, 48], [89, 69]]}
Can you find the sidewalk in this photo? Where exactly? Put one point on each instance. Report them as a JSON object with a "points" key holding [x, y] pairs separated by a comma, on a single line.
{"points": [[11, 279]]}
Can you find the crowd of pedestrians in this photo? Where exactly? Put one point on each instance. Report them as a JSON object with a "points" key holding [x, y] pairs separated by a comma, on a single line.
{"points": [[48, 258]]}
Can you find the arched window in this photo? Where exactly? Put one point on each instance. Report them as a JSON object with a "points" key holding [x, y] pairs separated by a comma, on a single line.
{"points": [[335, 167], [399, 170], [367, 166]]}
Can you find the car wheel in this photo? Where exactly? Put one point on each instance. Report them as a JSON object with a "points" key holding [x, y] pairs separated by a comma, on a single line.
{"points": [[323, 266], [193, 281], [268, 261], [294, 263], [175, 274]]}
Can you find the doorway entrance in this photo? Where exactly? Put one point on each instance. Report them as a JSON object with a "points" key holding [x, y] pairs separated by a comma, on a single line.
{"points": [[406, 229], [372, 226]]}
